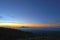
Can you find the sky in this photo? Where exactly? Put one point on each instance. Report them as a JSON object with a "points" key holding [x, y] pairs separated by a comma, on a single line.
{"points": [[30, 12]]}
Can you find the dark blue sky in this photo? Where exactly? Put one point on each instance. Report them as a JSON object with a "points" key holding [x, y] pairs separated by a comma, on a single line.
{"points": [[30, 11]]}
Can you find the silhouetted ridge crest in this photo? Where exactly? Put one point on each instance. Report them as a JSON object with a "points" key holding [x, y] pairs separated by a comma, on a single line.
{"points": [[10, 34]]}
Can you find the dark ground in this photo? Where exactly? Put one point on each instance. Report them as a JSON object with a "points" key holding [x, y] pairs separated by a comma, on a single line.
{"points": [[14, 34]]}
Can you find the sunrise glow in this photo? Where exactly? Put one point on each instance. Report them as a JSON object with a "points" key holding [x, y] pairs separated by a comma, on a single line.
{"points": [[16, 25]]}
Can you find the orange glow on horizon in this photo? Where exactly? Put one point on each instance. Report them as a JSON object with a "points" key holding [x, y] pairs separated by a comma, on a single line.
{"points": [[16, 25]]}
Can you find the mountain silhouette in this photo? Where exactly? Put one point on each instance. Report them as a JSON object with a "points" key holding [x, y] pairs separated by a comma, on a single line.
{"points": [[23, 27], [13, 34]]}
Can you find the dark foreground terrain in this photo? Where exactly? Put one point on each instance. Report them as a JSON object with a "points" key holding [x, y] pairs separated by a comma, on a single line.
{"points": [[14, 34]]}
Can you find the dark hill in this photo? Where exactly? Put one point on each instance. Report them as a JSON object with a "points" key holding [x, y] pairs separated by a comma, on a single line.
{"points": [[13, 34]]}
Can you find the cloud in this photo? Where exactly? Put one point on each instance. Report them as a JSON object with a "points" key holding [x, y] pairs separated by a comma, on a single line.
{"points": [[13, 16], [1, 17]]}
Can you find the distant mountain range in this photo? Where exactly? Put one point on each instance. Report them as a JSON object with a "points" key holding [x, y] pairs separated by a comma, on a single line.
{"points": [[23, 27]]}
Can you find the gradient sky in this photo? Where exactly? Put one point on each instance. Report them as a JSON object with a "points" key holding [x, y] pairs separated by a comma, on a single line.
{"points": [[30, 11]]}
